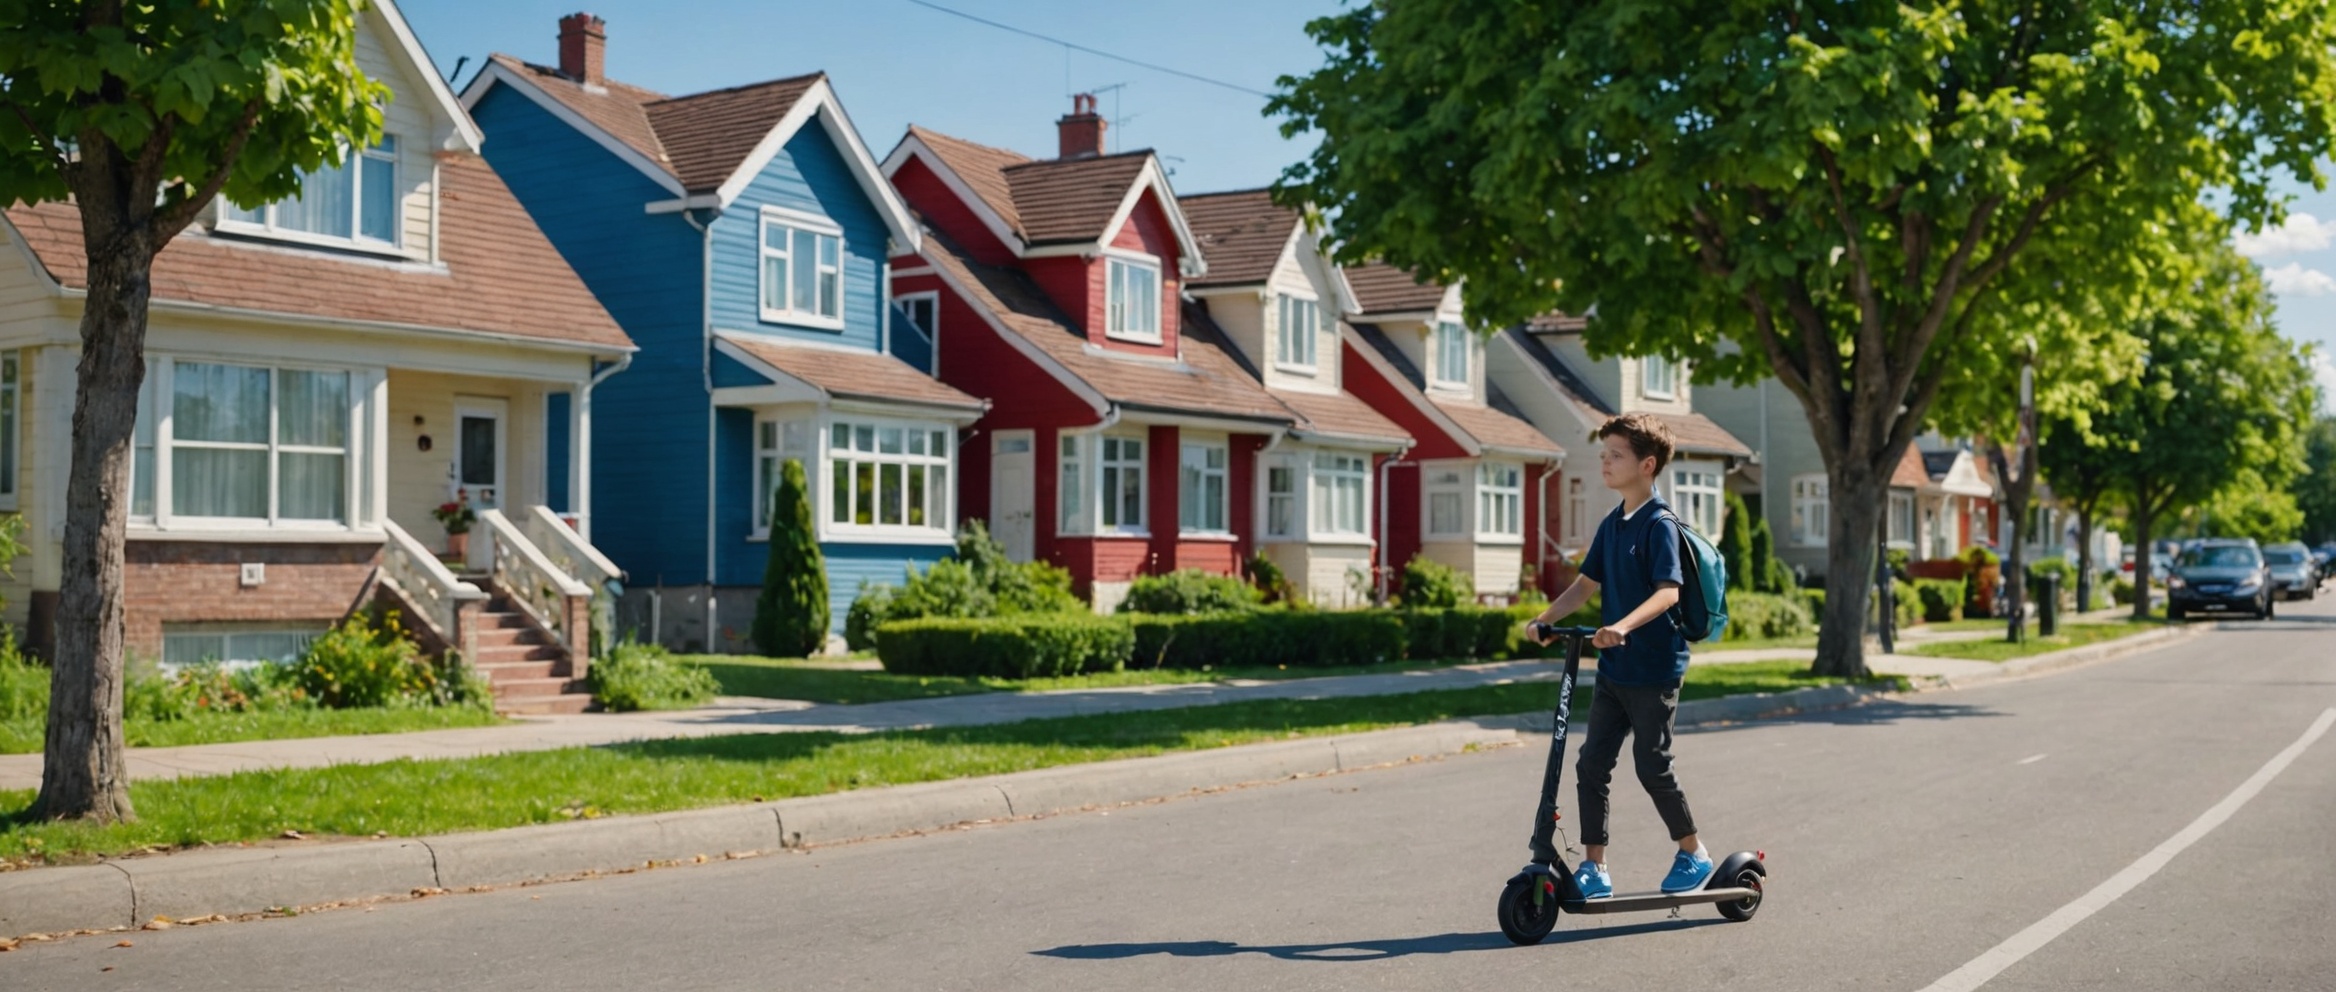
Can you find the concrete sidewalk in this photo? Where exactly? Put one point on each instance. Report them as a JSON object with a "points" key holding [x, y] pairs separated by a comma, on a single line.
{"points": [[741, 715]]}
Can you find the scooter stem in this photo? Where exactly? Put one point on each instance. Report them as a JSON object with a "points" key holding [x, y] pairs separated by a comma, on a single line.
{"points": [[1545, 815]]}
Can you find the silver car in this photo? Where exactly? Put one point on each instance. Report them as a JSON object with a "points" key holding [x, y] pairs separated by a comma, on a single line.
{"points": [[2292, 574]]}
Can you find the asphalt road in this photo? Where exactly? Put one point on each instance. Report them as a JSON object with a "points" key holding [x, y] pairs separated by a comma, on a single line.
{"points": [[1906, 840]]}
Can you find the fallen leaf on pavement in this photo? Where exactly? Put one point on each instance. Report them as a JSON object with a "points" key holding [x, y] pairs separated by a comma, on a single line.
{"points": [[124, 943], [292, 835]]}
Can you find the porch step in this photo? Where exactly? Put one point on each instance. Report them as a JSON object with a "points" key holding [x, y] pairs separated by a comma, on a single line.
{"points": [[567, 702], [549, 685], [505, 620], [489, 657], [498, 672], [506, 637]]}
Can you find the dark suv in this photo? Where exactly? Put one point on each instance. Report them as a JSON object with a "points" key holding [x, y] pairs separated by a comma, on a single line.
{"points": [[2220, 574], [2293, 573]]}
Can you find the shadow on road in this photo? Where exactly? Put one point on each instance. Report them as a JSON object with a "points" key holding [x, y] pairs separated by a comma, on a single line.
{"points": [[1356, 950], [1875, 713]]}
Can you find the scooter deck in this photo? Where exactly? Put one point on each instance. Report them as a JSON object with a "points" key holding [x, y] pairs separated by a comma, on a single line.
{"points": [[1642, 901]]}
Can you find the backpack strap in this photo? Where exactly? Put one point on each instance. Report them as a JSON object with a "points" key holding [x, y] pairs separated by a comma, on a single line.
{"points": [[1647, 568]]}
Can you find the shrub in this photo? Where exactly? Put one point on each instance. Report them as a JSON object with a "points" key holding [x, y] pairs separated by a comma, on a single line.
{"points": [[791, 615], [24, 683], [872, 605], [1188, 591], [1268, 638], [638, 676], [2121, 591], [1765, 616], [364, 663], [1942, 599], [1269, 579], [1432, 585], [1461, 632], [197, 689], [1773, 574], [1017, 647], [1014, 587], [1906, 604], [1736, 545], [946, 589], [1815, 598]]}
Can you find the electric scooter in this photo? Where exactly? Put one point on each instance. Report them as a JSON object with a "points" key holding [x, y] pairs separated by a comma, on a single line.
{"points": [[1533, 897]]}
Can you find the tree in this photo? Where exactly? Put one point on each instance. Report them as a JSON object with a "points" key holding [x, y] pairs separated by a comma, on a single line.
{"points": [[1853, 198], [2081, 471], [143, 114], [790, 617], [2315, 490]]}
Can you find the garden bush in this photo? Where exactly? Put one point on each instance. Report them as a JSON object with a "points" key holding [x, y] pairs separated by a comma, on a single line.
{"points": [[1460, 632], [1015, 587], [638, 676], [2121, 591], [1017, 647], [1767, 616], [367, 663], [1431, 585], [24, 683], [1271, 582], [791, 614], [1188, 591], [977, 581], [1815, 598], [872, 605], [1942, 599], [1906, 603], [1268, 638]]}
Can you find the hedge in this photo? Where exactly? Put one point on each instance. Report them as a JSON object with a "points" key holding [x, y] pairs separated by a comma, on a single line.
{"points": [[1267, 638], [1942, 599], [1016, 647], [1767, 616]]}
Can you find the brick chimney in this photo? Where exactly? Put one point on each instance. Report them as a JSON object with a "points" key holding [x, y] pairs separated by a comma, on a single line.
{"points": [[584, 48], [1080, 133]]}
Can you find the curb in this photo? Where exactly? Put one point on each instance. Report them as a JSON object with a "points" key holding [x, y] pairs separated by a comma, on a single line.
{"points": [[125, 893], [2090, 654]]}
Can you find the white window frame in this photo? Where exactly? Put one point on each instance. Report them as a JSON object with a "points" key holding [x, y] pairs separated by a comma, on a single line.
{"points": [[1901, 519], [354, 166], [11, 425], [1119, 312], [1577, 507], [227, 635], [1451, 338], [1291, 499], [940, 492], [1658, 378], [794, 312], [1298, 325], [1812, 510], [932, 299], [1446, 480], [776, 439], [1698, 496], [1500, 500], [1083, 470], [1194, 479], [1341, 482], [156, 401]]}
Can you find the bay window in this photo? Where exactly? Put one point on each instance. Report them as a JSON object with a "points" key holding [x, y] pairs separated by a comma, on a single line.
{"points": [[250, 444], [1500, 500], [1695, 496], [1341, 483], [776, 441], [884, 476], [1201, 490], [355, 201], [1811, 510], [1131, 300], [1281, 499], [1447, 491], [802, 268], [1102, 485], [1300, 322]]}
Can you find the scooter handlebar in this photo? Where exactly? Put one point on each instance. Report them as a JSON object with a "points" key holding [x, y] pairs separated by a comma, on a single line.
{"points": [[1550, 632]]}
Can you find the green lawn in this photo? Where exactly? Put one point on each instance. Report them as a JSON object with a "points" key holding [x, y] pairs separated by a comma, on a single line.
{"points": [[27, 736], [828, 682], [425, 797], [2071, 635]]}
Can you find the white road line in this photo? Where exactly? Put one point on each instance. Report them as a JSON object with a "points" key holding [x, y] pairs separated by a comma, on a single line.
{"points": [[2029, 941], [2029, 760]]}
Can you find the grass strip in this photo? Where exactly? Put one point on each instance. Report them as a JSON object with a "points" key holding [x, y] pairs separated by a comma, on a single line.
{"points": [[2070, 636], [824, 682], [28, 736], [408, 797]]}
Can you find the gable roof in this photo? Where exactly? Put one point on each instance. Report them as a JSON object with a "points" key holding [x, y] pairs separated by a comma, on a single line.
{"points": [[850, 374], [1049, 203], [1476, 427], [1693, 433], [1072, 200], [464, 133], [1203, 381], [501, 276], [1910, 473], [1381, 288], [1338, 416], [704, 147], [1243, 231]]}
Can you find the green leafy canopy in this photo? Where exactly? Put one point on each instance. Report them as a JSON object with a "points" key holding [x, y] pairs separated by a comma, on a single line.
{"points": [[270, 86]]}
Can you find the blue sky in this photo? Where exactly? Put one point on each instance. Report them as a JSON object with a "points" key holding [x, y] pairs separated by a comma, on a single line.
{"points": [[895, 63]]}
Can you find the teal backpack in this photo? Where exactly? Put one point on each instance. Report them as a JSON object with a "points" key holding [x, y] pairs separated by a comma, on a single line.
{"points": [[1702, 613]]}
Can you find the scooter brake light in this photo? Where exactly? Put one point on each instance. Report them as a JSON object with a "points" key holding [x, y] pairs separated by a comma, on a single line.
{"points": [[1762, 855]]}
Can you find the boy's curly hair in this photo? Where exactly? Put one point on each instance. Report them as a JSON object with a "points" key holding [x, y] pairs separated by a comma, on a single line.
{"points": [[1648, 436]]}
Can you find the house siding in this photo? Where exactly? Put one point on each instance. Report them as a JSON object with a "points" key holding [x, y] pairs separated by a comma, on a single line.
{"points": [[1788, 449], [808, 175], [920, 185]]}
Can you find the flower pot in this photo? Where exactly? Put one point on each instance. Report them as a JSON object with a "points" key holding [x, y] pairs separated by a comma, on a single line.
{"points": [[458, 546]]}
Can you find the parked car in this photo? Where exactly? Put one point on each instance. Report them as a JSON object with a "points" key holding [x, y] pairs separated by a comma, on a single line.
{"points": [[2327, 553], [2293, 573], [2160, 565], [2220, 574]]}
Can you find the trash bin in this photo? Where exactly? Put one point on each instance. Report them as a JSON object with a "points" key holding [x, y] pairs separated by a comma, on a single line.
{"points": [[2047, 589]]}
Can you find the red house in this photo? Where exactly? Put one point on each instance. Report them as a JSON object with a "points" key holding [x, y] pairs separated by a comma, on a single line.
{"points": [[1115, 444]]}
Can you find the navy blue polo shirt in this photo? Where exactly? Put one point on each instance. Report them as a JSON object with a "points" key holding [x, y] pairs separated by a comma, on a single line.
{"points": [[1627, 559]]}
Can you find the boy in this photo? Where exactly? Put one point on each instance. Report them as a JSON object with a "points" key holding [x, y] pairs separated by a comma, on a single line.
{"points": [[1641, 655]]}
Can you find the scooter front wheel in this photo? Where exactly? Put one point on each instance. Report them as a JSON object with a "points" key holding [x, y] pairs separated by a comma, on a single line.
{"points": [[1528, 908], [1742, 909]]}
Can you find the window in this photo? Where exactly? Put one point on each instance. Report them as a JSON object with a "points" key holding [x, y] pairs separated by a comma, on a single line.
{"points": [[1902, 519], [1695, 496], [1447, 503], [1577, 507], [355, 201], [1122, 499], [1500, 499], [1659, 377], [802, 268], [1451, 353], [1340, 484], [1072, 493], [244, 443], [1281, 499], [1810, 511], [1201, 489], [774, 442], [10, 404], [1301, 324], [232, 648], [923, 311], [1102, 480], [887, 476], [1131, 303]]}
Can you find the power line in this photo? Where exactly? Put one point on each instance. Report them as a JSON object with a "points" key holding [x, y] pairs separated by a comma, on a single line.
{"points": [[1236, 87]]}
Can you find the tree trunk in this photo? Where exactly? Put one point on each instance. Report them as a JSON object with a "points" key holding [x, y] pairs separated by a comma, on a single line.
{"points": [[2017, 494], [2142, 519], [2084, 560], [1857, 493], [83, 775]]}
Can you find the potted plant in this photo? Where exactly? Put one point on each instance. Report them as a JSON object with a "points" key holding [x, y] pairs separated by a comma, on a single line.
{"points": [[456, 516]]}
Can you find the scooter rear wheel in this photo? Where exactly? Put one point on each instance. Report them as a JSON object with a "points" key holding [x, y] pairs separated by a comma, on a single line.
{"points": [[1525, 920], [1742, 909]]}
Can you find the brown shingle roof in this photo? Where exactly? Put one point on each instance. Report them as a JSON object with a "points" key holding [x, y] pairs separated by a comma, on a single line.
{"points": [[708, 135], [616, 109], [1910, 474], [1206, 382], [983, 169], [854, 374], [1242, 233], [1072, 200], [1383, 288], [501, 276], [1494, 429], [1696, 433], [1340, 415]]}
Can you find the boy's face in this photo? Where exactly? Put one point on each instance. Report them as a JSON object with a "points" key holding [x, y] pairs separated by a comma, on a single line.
{"points": [[1621, 468]]}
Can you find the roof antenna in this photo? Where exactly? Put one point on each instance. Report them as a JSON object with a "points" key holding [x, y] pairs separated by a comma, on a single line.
{"points": [[457, 73], [1117, 121]]}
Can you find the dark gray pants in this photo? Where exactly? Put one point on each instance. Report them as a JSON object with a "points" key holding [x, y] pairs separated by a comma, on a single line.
{"points": [[1645, 714]]}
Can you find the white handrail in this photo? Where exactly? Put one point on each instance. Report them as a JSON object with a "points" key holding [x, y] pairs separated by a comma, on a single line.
{"points": [[534, 584], [567, 550], [424, 581]]}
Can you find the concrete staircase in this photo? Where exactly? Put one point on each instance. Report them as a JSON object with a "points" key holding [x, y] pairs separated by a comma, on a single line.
{"points": [[530, 674]]}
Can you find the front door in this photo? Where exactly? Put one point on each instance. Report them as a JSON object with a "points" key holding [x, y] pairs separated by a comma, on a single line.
{"points": [[1012, 521], [479, 443]]}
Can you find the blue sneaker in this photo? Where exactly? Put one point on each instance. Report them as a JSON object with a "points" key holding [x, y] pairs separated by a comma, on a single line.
{"points": [[1592, 881], [1688, 873]]}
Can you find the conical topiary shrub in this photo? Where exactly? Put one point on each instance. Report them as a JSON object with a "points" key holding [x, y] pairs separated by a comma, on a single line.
{"points": [[790, 619], [1736, 545]]}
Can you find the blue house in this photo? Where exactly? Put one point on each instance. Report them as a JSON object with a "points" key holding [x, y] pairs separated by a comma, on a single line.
{"points": [[740, 238]]}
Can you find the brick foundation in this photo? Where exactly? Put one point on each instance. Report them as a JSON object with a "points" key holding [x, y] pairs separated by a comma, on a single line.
{"points": [[201, 581]]}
